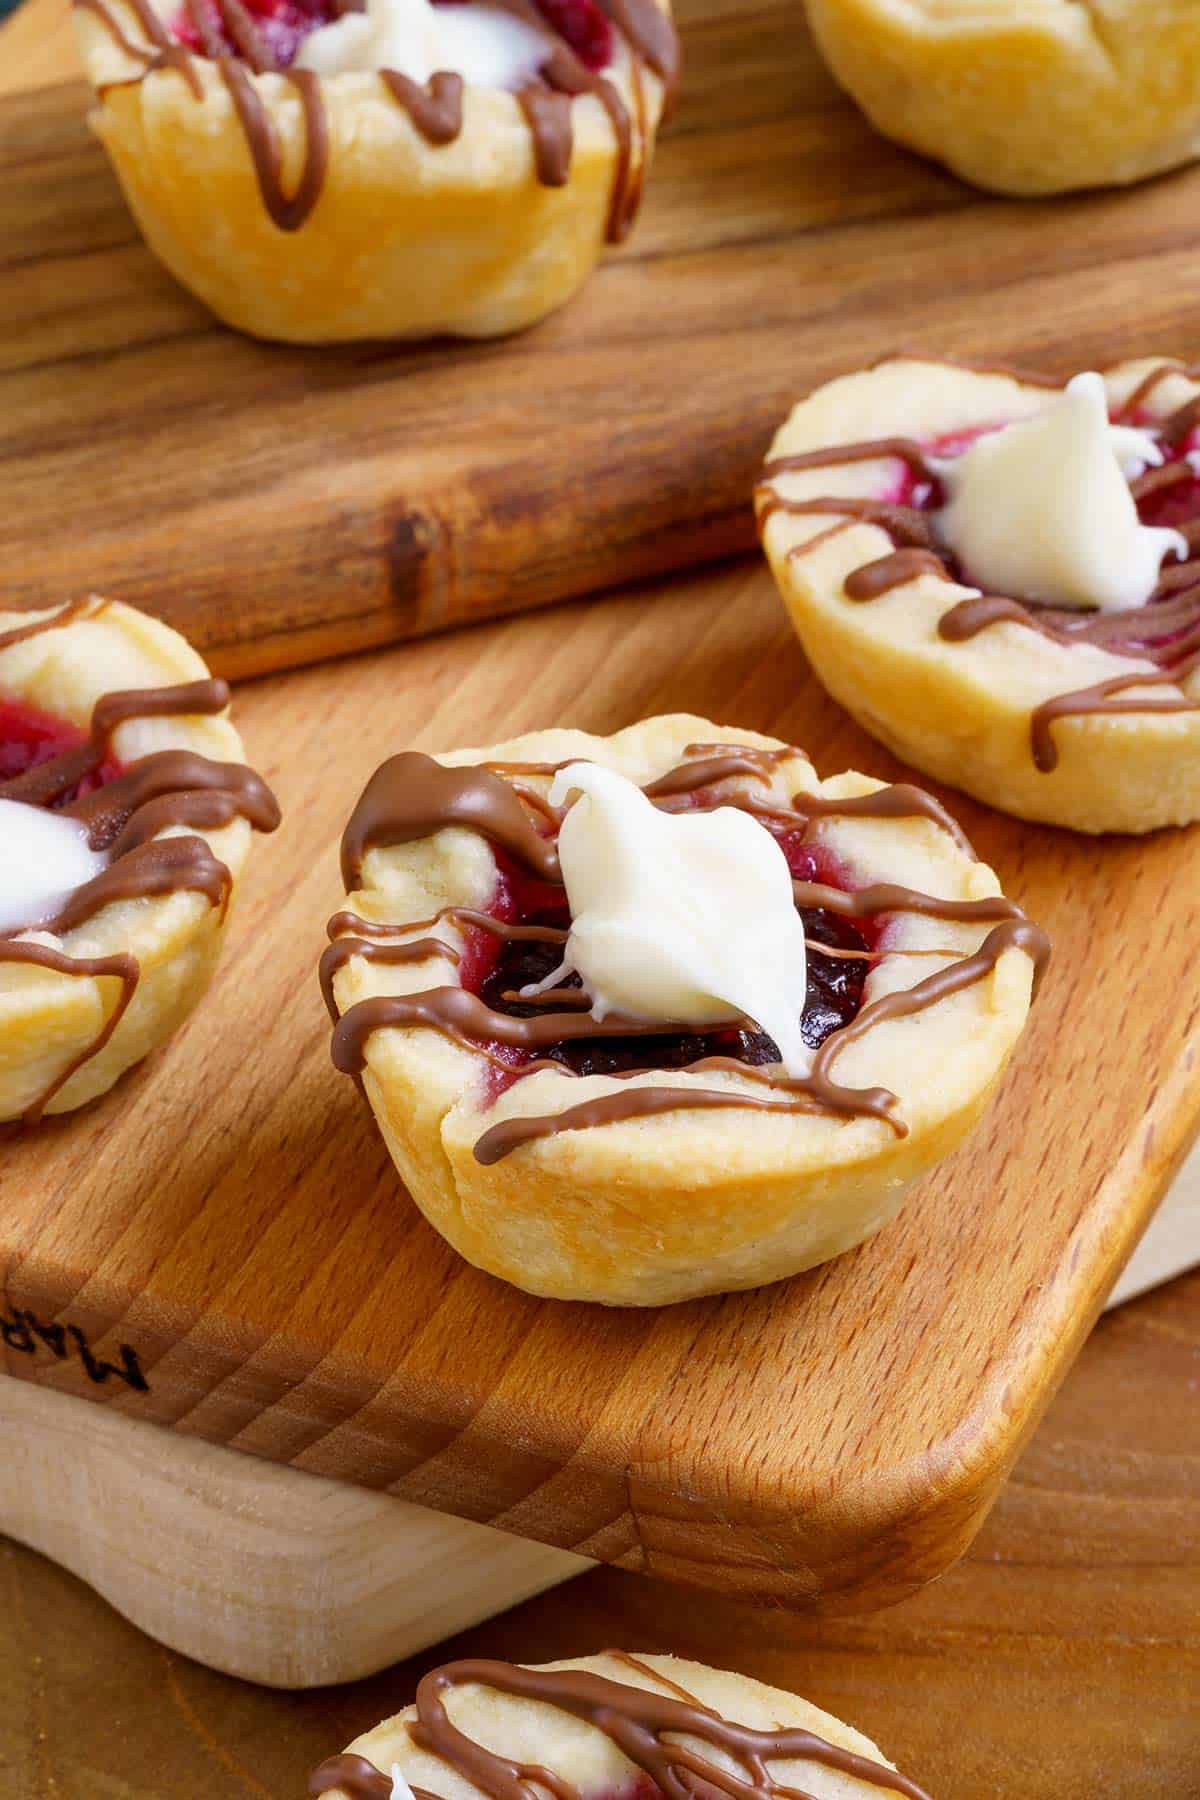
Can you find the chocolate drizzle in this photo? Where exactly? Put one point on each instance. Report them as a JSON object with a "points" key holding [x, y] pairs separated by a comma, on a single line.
{"points": [[1164, 633], [90, 607], [876, 578], [124, 817], [435, 109], [287, 211], [657, 1732], [120, 967], [412, 797]]}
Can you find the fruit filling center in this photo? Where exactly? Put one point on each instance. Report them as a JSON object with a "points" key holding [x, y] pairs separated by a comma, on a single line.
{"points": [[497, 970], [30, 737], [283, 25]]}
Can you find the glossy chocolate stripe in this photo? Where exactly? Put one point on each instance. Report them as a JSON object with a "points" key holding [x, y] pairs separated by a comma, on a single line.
{"points": [[886, 896], [1165, 632], [287, 211], [158, 793], [200, 809], [689, 777], [470, 1021], [166, 866], [120, 967], [108, 809], [1103, 698], [501, 1140], [335, 956], [458, 915], [404, 805], [548, 115], [1146, 388], [411, 796], [1020, 934], [906, 525], [898, 449], [435, 109], [899, 801], [44, 783], [186, 698], [112, 25], [351, 1775], [874, 579], [645, 1726], [89, 607]]}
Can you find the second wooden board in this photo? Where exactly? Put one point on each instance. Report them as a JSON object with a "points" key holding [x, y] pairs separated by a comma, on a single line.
{"points": [[281, 505], [222, 1245]]}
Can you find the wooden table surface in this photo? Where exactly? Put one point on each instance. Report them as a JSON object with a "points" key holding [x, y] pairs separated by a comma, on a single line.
{"points": [[1061, 1658], [1059, 1661]]}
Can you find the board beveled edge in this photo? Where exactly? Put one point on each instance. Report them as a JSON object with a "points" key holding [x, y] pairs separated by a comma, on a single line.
{"points": [[873, 1546]]}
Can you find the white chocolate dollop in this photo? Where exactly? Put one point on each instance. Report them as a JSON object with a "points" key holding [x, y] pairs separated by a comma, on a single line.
{"points": [[487, 47], [679, 916], [44, 857], [1041, 510]]}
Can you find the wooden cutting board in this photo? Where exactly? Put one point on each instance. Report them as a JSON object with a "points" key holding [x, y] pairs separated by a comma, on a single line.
{"points": [[222, 1244], [282, 505]]}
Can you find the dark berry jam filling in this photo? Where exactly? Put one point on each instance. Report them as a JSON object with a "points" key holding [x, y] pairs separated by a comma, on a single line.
{"points": [[30, 737], [283, 26], [493, 969]]}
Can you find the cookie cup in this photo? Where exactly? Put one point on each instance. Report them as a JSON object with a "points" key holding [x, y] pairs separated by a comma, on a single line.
{"points": [[408, 239], [961, 711], [533, 1733], [1024, 96], [664, 1208], [49, 1021]]}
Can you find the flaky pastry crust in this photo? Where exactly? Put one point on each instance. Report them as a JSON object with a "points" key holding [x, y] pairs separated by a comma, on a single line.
{"points": [[1024, 96], [660, 1209], [50, 1019], [534, 1734], [961, 711], [407, 239]]}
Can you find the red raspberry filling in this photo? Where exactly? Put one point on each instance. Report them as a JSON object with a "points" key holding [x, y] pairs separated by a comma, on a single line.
{"points": [[584, 27], [29, 737], [284, 24], [493, 968]]}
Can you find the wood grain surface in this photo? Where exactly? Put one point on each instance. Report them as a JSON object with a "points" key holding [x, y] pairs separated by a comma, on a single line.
{"points": [[282, 505], [230, 1214], [249, 1567], [1059, 1661]]}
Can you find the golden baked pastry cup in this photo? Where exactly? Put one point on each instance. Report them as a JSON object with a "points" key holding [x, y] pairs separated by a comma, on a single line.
{"points": [[408, 239], [50, 1020], [659, 1209], [585, 1760], [962, 711], [1024, 96]]}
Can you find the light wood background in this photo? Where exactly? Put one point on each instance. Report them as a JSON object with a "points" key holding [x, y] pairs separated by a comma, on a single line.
{"points": [[373, 493], [1059, 1661]]}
